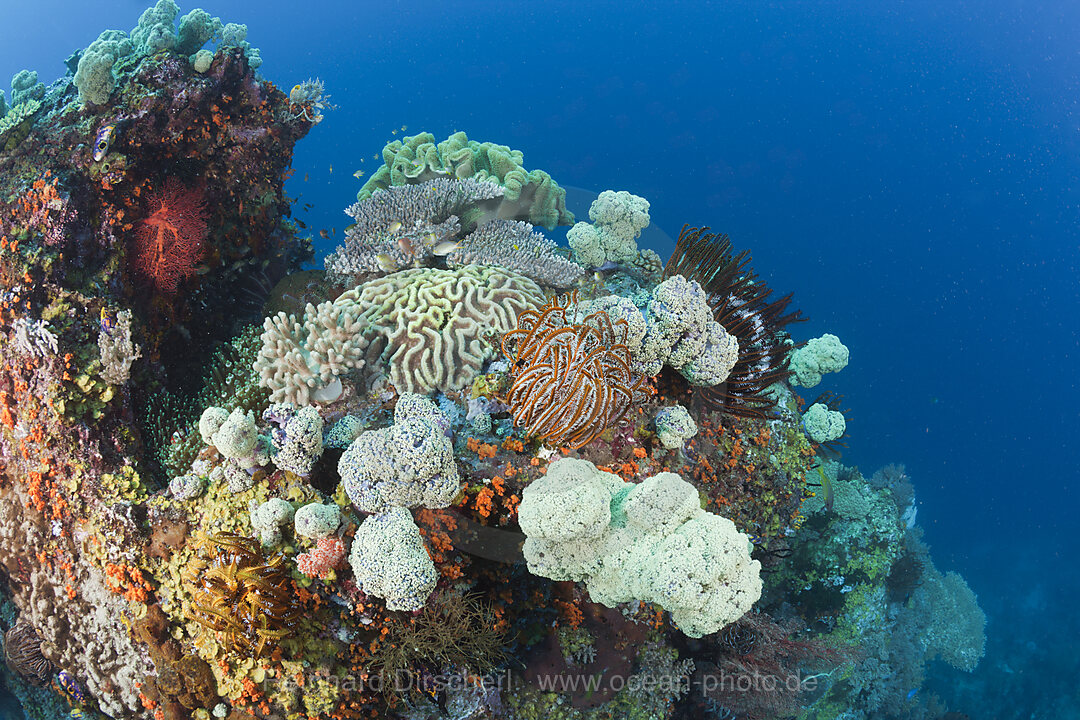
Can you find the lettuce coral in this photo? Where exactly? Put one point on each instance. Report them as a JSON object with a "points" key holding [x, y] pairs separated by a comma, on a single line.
{"points": [[529, 195]]}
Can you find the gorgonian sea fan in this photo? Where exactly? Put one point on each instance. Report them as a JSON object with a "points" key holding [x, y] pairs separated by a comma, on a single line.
{"points": [[571, 380], [169, 242]]}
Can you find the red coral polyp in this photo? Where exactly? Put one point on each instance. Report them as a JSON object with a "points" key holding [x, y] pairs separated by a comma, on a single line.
{"points": [[326, 556]]}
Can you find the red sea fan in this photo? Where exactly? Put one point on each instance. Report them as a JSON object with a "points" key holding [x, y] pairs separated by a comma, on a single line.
{"points": [[168, 243]]}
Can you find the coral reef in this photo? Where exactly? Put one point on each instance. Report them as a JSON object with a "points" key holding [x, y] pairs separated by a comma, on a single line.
{"points": [[451, 475]]}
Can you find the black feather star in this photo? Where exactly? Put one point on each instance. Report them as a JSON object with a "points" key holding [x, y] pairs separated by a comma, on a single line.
{"points": [[740, 302]]}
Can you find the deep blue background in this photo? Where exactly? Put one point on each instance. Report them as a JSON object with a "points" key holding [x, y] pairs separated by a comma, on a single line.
{"points": [[908, 169]]}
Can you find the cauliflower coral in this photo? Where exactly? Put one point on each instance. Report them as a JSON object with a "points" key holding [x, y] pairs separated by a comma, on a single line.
{"points": [[821, 355], [650, 542], [390, 562], [618, 219]]}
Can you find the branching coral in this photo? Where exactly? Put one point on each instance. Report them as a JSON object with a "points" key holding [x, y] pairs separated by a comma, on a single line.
{"points": [[239, 591], [572, 381], [403, 226], [117, 349], [441, 220], [514, 244], [301, 360]]}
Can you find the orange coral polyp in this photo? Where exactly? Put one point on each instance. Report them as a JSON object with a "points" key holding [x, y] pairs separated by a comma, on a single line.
{"points": [[573, 381]]}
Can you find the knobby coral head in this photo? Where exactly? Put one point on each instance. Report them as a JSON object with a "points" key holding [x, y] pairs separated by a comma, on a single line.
{"points": [[571, 381], [168, 243]]}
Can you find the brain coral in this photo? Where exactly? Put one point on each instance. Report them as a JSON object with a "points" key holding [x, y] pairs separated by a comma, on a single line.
{"points": [[432, 328]]}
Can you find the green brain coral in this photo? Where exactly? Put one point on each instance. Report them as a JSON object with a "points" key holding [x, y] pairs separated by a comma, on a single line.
{"points": [[530, 195], [434, 329]]}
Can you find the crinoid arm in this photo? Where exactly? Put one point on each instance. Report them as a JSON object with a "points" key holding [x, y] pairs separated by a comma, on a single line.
{"points": [[239, 591], [740, 302]]}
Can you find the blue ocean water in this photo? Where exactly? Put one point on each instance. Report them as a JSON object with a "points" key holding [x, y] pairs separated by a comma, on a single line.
{"points": [[908, 169]]}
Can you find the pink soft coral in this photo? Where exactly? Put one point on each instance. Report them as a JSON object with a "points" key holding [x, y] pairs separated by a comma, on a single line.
{"points": [[327, 555]]}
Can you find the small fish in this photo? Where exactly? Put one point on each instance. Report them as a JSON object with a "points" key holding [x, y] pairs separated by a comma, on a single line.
{"points": [[358, 174], [71, 686], [912, 693], [108, 323], [308, 206], [331, 169], [393, 132], [386, 263], [405, 243], [103, 141], [324, 234], [394, 226], [404, 128], [446, 247], [305, 177], [826, 489], [300, 224], [374, 157]]}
